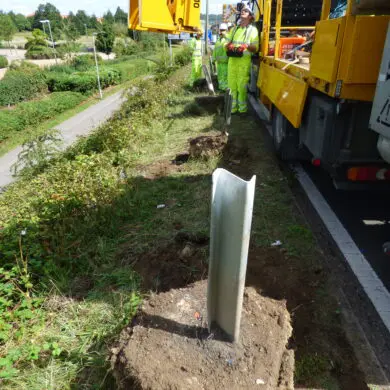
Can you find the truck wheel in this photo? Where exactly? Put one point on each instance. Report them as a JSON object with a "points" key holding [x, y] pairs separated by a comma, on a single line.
{"points": [[285, 137]]}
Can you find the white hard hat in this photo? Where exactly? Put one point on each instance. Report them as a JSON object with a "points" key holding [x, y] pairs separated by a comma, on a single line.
{"points": [[247, 7], [223, 26]]}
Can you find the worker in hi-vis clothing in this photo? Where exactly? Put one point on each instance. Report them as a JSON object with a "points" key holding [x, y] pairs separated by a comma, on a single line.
{"points": [[220, 57], [242, 42], [196, 47]]}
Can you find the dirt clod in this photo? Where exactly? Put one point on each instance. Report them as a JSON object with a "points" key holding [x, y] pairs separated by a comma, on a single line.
{"points": [[207, 146], [170, 347]]}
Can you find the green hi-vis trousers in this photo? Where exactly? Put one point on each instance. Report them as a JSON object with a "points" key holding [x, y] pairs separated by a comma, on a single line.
{"points": [[196, 71], [222, 74], [238, 78]]}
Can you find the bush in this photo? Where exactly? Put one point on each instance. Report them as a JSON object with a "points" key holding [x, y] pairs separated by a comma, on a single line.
{"points": [[125, 47], [21, 84], [133, 69], [3, 62], [24, 66], [85, 62], [66, 50], [33, 113], [37, 48], [62, 69], [83, 82], [183, 57], [40, 53]]}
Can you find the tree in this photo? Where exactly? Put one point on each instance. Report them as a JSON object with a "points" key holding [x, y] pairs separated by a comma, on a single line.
{"points": [[7, 28], [70, 34], [120, 16], [21, 22], [81, 20], [70, 31], [108, 17], [93, 23], [48, 12], [120, 29], [105, 39]]}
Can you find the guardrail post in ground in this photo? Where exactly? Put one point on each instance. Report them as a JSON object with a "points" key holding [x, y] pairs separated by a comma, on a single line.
{"points": [[231, 219]]}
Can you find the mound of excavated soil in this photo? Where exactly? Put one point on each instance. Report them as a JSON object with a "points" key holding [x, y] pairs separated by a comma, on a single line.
{"points": [[168, 345], [207, 146]]}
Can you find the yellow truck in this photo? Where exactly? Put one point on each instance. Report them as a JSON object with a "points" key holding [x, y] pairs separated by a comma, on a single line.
{"points": [[318, 96], [320, 103]]}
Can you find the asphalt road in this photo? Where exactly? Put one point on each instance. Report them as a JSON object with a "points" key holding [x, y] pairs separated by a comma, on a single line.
{"points": [[366, 217], [79, 125]]}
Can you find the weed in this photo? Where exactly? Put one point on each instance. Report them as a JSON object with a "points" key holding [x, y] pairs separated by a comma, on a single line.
{"points": [[311, 369], [37, 153]]}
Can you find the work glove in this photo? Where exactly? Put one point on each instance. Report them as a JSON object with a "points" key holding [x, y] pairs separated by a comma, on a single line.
{"points": [[242, 48], [230, 46]]}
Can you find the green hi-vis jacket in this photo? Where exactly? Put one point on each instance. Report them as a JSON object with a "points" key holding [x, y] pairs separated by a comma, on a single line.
{"points": [[244, 35], [219, 53], [196, 47]]}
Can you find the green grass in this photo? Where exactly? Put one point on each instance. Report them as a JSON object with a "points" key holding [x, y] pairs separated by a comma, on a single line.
{"points": [[77, 226], [27, 134], [129, 69], [73, 347]]}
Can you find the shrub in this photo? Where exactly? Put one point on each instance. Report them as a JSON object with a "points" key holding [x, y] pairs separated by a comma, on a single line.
{"points": [[130, 70], [33, 113], [3, 62], [183, 57], [125, 47], [24, 66], [21, 84], [40, 53], [66, 50], [83, 82], [85, 62], [37, 48], [62, 69]]}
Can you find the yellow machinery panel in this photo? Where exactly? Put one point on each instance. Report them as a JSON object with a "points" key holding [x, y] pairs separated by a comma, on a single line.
{"points": [[286, 92], [171, 16], [326, 51], [362, 49]]}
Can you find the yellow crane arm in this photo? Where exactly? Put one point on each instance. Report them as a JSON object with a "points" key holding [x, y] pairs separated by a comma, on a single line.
{"points": [[170, 16]]}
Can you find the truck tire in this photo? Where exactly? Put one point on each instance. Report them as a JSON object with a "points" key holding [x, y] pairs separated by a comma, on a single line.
{"points": [[285, 137]]}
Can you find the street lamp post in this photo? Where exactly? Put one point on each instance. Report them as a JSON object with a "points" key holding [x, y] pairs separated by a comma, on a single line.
{"points": [[51, 36], [207, 28], [97, 66]]}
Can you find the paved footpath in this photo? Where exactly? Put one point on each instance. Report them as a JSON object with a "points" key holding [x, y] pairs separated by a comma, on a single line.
{"points": [[81, 124]]}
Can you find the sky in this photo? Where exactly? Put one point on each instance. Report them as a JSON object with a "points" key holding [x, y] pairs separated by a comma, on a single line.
{"points": [[97, 7]]}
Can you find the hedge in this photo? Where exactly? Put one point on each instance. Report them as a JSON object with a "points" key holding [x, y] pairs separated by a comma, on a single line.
{"points": [[3, 62], [83, 82], [21, 84], [32, 113]]}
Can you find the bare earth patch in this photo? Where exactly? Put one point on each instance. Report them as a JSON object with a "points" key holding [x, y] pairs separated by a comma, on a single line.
{"points": [[169, 347]]}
